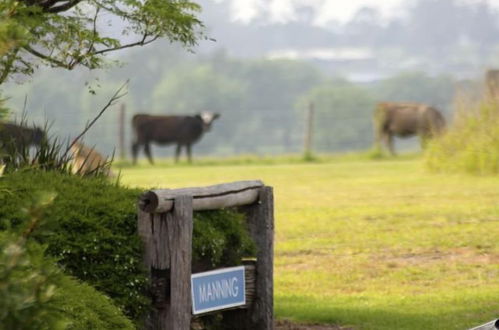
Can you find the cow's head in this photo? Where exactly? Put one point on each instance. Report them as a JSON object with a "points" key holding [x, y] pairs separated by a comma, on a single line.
{"points": [[207, 118]]}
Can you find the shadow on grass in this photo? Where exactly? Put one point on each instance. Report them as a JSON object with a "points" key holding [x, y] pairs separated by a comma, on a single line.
{"points": [[409, 313]]}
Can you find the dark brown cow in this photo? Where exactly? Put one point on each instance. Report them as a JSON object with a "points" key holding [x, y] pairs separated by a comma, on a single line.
{"points": [[405, 120], [19, 136], [163, 130]]}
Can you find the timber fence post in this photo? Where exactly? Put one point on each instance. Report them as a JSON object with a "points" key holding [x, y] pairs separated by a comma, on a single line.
{"points": [[260, 217], [168, 253]]}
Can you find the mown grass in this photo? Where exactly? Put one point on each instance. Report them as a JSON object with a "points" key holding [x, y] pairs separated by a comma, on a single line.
{"points": [[372, 244]]}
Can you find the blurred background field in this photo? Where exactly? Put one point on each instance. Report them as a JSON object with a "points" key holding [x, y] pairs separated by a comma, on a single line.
{"points": [[372, 244]]}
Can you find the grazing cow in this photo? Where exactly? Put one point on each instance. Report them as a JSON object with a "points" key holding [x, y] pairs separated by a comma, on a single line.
{"points": [[163, 130], [405, 120], [18, 136], [86, 160]]}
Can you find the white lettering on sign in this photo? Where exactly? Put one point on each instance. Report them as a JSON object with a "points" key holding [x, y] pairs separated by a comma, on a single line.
{"points": [[224, 288], [218, 289]]}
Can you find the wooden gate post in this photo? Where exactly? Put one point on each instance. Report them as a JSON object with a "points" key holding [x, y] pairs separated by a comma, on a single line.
{"points": [[260, 217], [260, 220], [166, 225], [168, 254]]}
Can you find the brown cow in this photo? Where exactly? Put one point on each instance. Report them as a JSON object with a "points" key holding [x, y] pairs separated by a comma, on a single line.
{"points": [[87, 160], [163, 130], [405, 120]]}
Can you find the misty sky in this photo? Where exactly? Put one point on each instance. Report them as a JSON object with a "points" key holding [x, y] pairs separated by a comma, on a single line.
{"points": [[326, 10]]}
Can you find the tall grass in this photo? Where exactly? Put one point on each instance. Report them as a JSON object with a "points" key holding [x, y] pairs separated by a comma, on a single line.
{"points": [[471, 144]]}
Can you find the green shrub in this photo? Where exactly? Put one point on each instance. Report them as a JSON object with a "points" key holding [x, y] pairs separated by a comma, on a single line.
{"points": [[35, 294], [87, 308], [27, 286], [91, 228], [220, 239], [471, 145]]}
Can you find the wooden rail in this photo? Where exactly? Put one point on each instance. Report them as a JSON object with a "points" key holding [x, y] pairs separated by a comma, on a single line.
{"points": [[204, 198]]}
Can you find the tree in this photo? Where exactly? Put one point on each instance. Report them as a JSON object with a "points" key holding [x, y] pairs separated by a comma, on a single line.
{"points": [[343, 116], [71, 33], [437, 91]]}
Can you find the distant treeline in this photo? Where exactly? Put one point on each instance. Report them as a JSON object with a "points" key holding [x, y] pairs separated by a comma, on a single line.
{"points": [[437, 35]]}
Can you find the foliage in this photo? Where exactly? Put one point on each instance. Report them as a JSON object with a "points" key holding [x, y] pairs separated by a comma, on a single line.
{"points": [[90, 229], [471, 145], [28, 283], [71, 33], [87, 308], [220, 239], [35, 294], [417, 87]]}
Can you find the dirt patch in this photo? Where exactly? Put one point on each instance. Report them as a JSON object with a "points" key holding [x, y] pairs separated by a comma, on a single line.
{"points": [[288, 325]]}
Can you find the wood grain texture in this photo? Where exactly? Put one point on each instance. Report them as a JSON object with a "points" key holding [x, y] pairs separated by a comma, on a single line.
{"points": [[167, 241], [179, 237], [260, 217], [204, 198], [260, 314]]}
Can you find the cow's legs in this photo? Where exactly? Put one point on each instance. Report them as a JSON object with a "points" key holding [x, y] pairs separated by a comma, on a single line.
{"points": [[189, 156], [388, 139], [177, 152], [135, 150], [147, 150]]}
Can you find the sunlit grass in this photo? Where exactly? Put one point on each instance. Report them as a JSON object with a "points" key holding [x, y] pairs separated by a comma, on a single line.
{"points": [[374, 244]]}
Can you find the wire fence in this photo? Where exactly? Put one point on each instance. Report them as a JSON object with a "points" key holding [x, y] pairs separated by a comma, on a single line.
{"points": [[254, 131]]}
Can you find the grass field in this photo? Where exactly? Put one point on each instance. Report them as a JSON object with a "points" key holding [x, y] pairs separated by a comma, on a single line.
{"points": [[369, 244]]}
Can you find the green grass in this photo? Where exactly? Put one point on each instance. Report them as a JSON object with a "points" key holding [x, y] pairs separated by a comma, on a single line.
{"points": [[373, 244]]}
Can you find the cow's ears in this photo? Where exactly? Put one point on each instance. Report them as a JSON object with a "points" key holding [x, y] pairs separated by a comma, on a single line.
{"points": [[216, 115], [198, 116]]}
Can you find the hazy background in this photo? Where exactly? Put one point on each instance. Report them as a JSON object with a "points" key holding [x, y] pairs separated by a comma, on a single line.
{"points": [[270, 60]]}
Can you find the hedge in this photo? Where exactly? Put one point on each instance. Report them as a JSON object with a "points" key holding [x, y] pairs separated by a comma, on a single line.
{"points": [[91, 229]]}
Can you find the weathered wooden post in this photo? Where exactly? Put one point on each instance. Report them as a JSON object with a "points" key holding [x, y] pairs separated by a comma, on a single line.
{"points": [[168, 251], [165, 220]]}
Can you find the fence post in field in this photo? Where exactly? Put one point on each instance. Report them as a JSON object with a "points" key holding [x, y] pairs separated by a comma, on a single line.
{"points": [[309, 130], [121, 131], [165, 224]]}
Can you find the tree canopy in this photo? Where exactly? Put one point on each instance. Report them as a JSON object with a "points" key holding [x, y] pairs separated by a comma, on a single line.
{"points": [[70, 33]]}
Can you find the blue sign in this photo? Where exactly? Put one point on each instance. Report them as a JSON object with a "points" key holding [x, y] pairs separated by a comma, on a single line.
{"points": [[218, 289]]}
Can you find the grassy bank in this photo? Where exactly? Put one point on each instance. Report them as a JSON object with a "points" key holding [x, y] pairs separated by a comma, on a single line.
{"points": [[370, 244]]}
